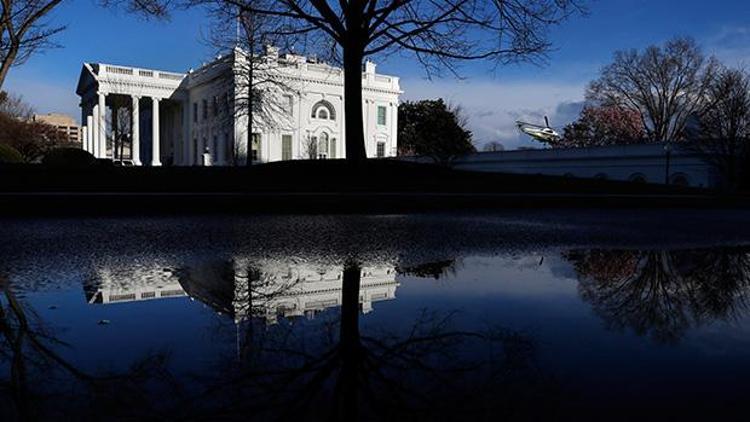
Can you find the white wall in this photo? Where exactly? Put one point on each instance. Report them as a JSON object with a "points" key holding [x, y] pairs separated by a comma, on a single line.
{"points": [[613, 163]]}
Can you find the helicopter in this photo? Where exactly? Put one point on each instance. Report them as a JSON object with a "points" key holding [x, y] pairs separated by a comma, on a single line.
{"points": [[540, 133]]}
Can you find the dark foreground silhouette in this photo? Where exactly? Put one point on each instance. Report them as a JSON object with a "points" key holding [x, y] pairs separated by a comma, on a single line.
{"points": [[316, 186]]}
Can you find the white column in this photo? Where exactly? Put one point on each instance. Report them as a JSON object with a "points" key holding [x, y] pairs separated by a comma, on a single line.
{"points": [[90, 133], [95, 131], [394, 130], [84, 139], [102, 126], [155, 152], [135, 129]]}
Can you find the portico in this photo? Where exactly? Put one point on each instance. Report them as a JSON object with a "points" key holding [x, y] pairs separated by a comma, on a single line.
{"points": [[133, 115]]}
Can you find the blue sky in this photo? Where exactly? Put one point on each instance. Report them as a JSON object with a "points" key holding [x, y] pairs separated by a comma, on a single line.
{"points": [[492, 100]]}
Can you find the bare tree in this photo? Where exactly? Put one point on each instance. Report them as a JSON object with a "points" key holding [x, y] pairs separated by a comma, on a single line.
{"points": [[666, 84], [724, 133], [120, 122], [440, 33], [263, 92], [23, 31], [310, 147], [15, 106]]}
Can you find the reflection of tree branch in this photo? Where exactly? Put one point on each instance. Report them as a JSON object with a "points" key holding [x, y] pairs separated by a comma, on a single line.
{"points": [[664, 293], [30, 356], [431, 369]]}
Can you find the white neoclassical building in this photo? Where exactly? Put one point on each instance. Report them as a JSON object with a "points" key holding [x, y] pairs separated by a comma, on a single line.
{"points": [[196, 118]]}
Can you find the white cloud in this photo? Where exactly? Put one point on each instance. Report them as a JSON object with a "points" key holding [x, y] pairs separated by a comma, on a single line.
{"points": [[494, 107], [731, 45]]}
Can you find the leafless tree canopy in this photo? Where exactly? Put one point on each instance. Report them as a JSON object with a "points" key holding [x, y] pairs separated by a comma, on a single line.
{"points": [[440, 33], [729, 113], [14, 106], [666, 84], [724, 132], [147, 8], [23, 31]]}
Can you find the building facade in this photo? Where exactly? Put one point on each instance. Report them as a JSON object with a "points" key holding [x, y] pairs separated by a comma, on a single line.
{"points": [[200, 118], [65, 125]]}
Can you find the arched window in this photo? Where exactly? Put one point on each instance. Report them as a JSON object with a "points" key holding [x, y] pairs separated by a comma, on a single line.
{"points": [[323, 110], [638, 178]]}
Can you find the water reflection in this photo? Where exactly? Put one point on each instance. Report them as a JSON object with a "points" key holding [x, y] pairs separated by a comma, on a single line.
{"points": [[246, 288], [39, 383], [334, 371], [342, 319], [662, 294], [324, 368]]}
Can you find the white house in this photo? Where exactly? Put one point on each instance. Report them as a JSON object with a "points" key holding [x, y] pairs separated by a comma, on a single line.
{"points": [[197, 119]]}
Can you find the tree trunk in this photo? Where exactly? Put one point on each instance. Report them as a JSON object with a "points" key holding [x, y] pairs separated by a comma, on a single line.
{"points": [[115, 133], [350, 344], [250, 61], [7, 63], [355, 132], [250, 117]]}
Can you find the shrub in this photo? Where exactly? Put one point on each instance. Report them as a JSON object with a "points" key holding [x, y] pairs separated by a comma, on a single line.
{"points": [[68, 157], [9, 154]]}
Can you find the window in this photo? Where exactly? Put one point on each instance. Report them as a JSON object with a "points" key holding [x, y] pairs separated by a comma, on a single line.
{"points": [[381, 149], [332, 148], [225, 103], [381, 115], [286, 147], [215, 106], [288, 104], [228, 150], [205, 109], [195, 112], [323, 110], [255, 151], [323, 146]]}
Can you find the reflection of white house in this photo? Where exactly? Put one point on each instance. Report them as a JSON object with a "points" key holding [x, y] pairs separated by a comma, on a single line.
{"points": [[190, 119], [112, 285], [242, 288], [271, 289]]}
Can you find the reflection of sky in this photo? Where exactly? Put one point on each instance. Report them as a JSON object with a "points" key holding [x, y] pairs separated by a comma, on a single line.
{"points": [[498, 280], [514, 292]]}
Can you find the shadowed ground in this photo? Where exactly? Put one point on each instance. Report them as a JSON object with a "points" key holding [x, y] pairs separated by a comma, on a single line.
{"points": [[318, 186]]}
